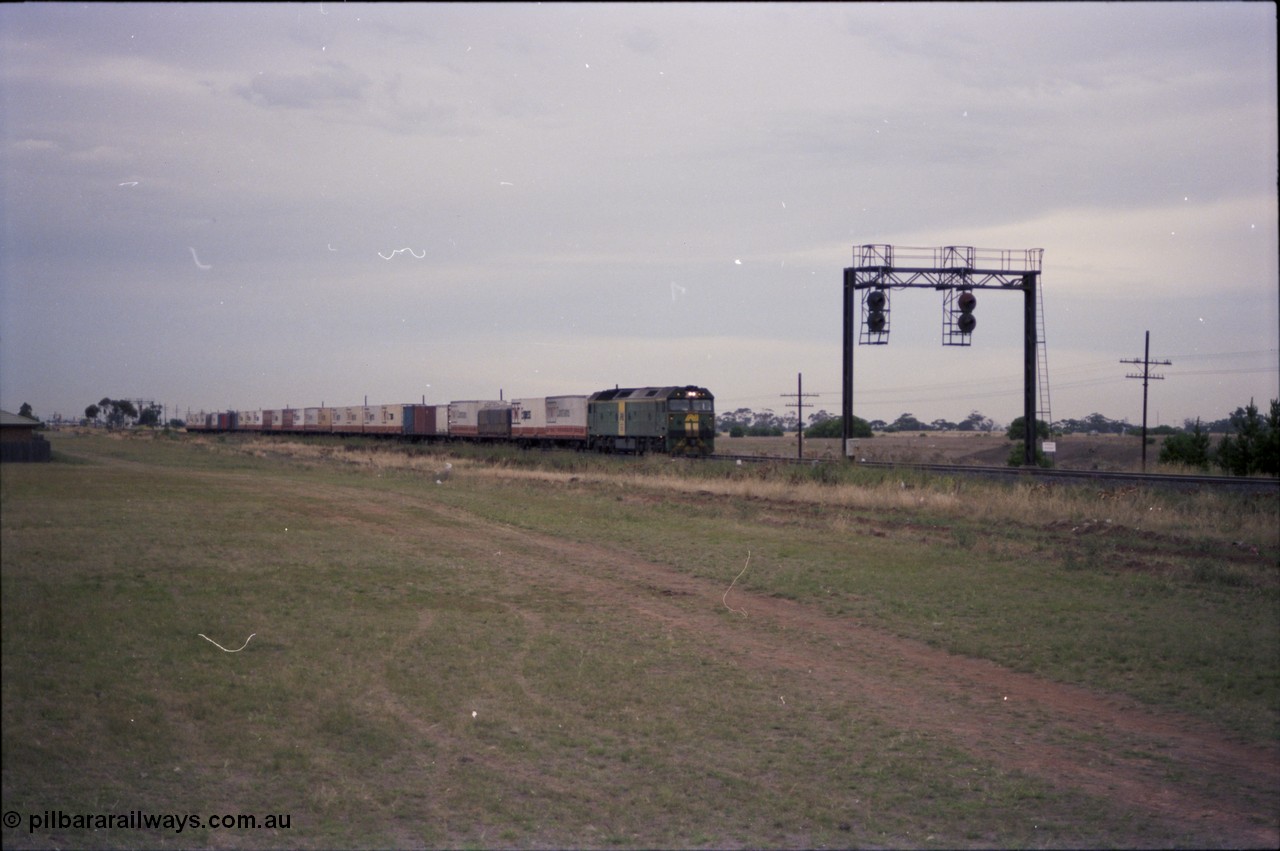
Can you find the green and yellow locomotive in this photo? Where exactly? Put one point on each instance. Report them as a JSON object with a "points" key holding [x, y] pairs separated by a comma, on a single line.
{"points": [[676, 420]]}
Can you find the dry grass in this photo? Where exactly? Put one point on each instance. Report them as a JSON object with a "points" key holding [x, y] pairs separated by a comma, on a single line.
{"points": [[975, 501]]}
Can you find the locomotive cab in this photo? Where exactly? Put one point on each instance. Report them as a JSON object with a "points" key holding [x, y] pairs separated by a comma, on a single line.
{"points": [[691, 422]]}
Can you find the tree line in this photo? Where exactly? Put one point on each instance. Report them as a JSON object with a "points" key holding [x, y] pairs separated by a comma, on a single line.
{"points": [[1250, 445], [1248, 442], [121, 413], [748, 422]]}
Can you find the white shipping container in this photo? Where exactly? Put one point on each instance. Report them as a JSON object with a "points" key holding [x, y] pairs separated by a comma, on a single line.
{"points": [[566, 416], [385, 419], [464, 417], [349, 418], [529, 417]]}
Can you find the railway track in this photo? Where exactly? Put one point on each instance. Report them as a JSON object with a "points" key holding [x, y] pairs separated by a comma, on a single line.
{"points": [[1112, 479]]}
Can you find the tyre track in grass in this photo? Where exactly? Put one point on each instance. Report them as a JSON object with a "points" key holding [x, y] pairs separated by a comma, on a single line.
{"points": [[1188, 774]]}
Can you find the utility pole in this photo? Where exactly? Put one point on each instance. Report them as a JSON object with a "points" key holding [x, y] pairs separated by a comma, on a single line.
{"points": [[1146, 376], [799, 404]]}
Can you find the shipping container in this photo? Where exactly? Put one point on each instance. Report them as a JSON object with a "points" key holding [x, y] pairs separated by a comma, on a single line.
{"points": [[248, 420], [529, 418], [567, 417], [311, 419], [349, 419], [384, 419], [494, 423], [464, 417], [550, 419], [420, 420]]}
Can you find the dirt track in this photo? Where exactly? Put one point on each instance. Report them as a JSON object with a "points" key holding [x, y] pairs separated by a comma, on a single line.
{"points": [[1101, 745]]}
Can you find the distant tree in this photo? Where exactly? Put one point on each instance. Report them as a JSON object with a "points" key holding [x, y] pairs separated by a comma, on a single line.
{"points": [[879, 425], [728, 419], [975, 422], [906, 422], [1255, 445], [177, 423], [820, 416], [1018, 430], [1222, 426], [765, 424], [1105, 425], [150, 415], [834, 427], [943, 425], [1189, 449], [25, 411], [117, 412]]}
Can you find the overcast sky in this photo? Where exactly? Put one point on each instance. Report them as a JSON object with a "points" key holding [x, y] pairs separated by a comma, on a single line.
{"points": [[254, 206]]}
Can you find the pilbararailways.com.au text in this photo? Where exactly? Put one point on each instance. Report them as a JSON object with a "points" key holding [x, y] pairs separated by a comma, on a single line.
{"points": [[142, 820]]}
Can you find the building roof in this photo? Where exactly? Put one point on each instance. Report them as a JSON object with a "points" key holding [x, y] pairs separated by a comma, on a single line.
{"points": [[7, 419]]}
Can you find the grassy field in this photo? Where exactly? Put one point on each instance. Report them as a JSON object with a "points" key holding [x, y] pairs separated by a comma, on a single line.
{"points": [[542, 650], [1105, 452]]}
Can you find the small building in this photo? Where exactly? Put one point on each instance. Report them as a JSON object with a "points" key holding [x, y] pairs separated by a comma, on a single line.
{"points": [[19, 441]]}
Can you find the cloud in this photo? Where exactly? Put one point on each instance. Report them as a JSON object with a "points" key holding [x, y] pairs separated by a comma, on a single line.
{"points": [[335, 83], [555, 168]]}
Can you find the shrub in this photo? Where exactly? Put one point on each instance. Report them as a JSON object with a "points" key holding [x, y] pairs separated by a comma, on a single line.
{"points": [[1191, 449]]}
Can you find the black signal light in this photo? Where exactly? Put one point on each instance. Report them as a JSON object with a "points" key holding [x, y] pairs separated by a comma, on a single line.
{"points": [[966, 321], [877, 301]]}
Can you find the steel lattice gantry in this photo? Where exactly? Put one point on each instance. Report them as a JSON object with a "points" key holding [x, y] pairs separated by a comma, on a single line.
{"points": [[955, 270]]}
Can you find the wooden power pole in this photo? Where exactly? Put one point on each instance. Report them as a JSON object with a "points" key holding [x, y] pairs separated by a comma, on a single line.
{"points": [[1146, 377], [799, 404]]}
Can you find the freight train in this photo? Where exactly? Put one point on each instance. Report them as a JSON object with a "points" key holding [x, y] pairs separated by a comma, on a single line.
{"points": [[676, 420]]}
